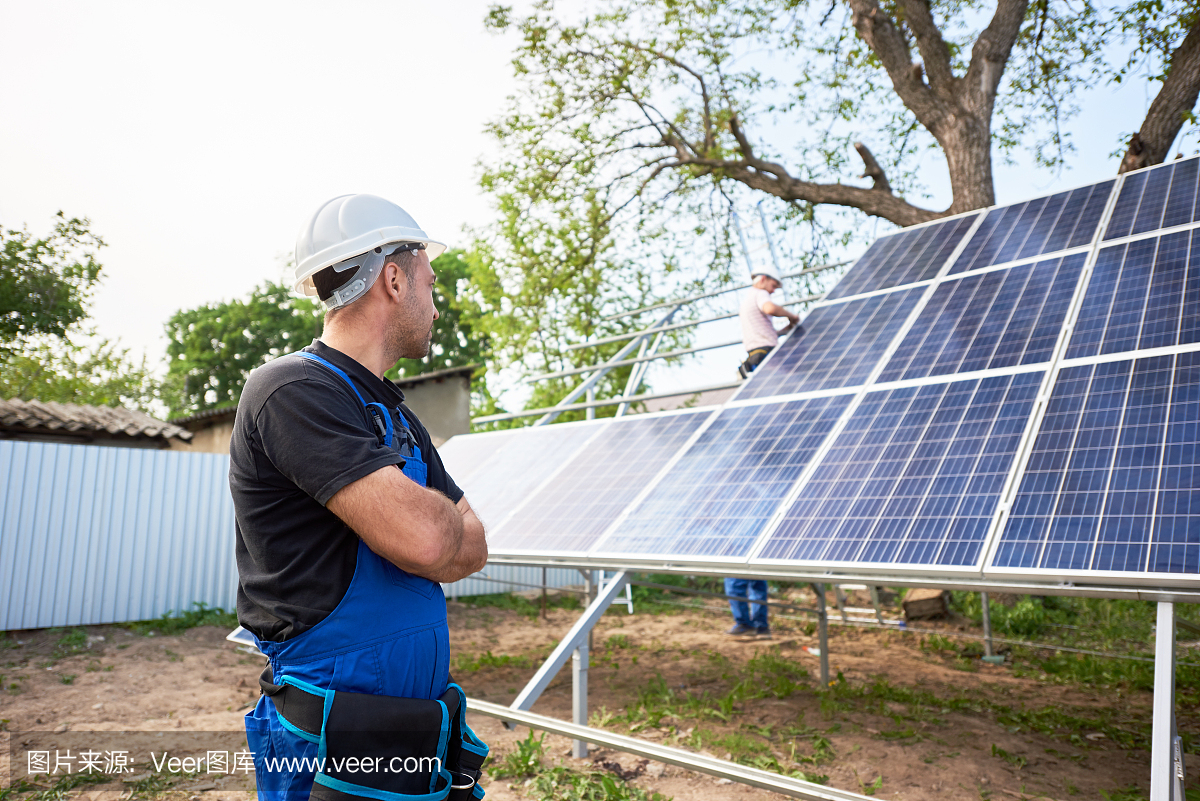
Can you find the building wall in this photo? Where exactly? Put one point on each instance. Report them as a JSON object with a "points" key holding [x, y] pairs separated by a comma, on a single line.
{"points": [[214, 439], [443, 404]]}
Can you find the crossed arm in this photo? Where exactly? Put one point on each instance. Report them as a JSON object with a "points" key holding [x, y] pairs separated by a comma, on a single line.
{"points": [[419, 530]]}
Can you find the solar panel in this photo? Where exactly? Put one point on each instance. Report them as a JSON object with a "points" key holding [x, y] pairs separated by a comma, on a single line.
{"points": [[991, 320], [1024, 230], [714, 501], [837, 345], [521, 464], [596, 485], [465, 454], [914, 478], [1143, 294], [1113, 482], [905, 257], [1161, 197]]}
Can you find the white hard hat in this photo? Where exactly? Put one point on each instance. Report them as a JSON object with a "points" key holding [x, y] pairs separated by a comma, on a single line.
{"points": [[349, 226], [769, 272]]}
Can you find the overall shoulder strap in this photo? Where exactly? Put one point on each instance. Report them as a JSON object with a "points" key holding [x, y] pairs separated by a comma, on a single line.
{"points": [[378, 412]]}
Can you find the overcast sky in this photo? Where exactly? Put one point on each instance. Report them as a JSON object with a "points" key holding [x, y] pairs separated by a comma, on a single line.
{"points": [[199, 137]]}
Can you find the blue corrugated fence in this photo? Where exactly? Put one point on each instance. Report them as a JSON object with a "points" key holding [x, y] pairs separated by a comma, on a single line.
{"points": [[93, 534]]}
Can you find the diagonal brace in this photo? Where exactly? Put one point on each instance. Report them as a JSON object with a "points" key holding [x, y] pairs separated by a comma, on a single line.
{"points": [[573, 639]]}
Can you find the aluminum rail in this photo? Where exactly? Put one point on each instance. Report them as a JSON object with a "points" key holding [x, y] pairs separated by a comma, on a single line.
{"points": [[807, 271], [493, 418], [626, 362], [765, 780], [823, 576], [685, 324]]}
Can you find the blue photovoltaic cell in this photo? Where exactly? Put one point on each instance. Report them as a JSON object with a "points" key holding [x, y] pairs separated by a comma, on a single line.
{"points": [[997, 319], [1062, 221], [837, 345], [464, 454], [1141, 295], [915, 254], [1162, 197], [715, 500], [588, 494], [1113, 483], [525, 459], [914, 478]]}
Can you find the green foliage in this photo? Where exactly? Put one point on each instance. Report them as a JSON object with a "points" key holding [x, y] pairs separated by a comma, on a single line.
{"points": [[212, 348], [526, 760], [46, 283], [465, 663], [66, 370], [169, 624], [70, 641], [520, 604], [566, 784], [1016, 760]]}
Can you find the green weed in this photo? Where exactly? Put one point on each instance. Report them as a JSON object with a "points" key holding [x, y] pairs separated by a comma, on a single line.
{"points": [[564, 784], [1016, 760], [526, 760], [70, 641], [520, 604], [465, 663], [169, 624], [67, 678]]}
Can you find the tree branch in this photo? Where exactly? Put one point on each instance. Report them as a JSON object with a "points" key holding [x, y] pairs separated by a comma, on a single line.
{"points": [[872, 169], [991, 53], [1177, 97], [933, 48], [876, 28]]}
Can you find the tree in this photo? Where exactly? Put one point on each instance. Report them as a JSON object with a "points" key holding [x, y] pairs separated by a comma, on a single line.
{"points": [[657, 100], [45, 283], [212, 348], [61, 369]]}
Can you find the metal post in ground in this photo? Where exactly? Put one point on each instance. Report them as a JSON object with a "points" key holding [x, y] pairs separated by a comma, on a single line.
{"points": [[579, 696], [822, 632], [874, 602], [1166, 756], [987, 625]]}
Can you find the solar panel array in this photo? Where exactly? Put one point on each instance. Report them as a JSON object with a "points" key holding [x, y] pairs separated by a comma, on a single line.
{"points": [[1014, 392]]}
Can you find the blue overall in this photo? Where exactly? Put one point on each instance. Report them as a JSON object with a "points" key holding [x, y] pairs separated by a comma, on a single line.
{"points": [[387, 636]]}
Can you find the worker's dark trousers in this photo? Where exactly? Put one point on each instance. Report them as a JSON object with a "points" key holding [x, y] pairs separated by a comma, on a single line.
{"points": [[754, 359]]}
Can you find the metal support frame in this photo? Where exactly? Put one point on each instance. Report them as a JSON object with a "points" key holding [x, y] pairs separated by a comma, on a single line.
{"points": [[575, 646], [822, 632], [638, 372], [878, 606], [1166, 754], [754, 777], [987, 625]]}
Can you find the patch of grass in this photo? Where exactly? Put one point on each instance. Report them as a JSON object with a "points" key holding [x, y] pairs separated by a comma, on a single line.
{"points": [[171, 655], [169, 624], [872, 788], [67, 678], [618, 641], [526, 760], [521, 605], [1131, 793], [1016, 760], [562, 783], [70, 641], [466, 663], [150, 786]]}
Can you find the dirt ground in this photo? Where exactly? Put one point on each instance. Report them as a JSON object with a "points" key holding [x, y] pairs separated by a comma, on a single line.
{"points": [[193, 688]]}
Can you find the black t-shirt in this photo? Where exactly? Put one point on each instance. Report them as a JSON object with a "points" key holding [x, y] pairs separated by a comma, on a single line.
{"points": [[300, 435]]}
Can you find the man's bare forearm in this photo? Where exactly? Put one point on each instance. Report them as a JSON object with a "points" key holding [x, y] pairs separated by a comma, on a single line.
{"points": [[472, 553]]}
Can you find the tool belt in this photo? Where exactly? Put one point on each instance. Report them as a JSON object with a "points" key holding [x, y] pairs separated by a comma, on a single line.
{"points": [[381, 746]]}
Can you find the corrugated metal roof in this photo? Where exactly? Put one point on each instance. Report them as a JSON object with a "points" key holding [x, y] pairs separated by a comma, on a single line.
{"points": [[66, 419]]}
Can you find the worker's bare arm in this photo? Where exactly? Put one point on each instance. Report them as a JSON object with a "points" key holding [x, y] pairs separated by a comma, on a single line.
{"points": [[419, 530], [775, 310], [472, 556]]}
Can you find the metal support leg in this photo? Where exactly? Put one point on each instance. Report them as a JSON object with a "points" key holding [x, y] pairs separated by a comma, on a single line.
{"points": [[1166, 754], [573, 639], [987, 625], [579, 697], [874, 602], [839, 598], [822, 632]]}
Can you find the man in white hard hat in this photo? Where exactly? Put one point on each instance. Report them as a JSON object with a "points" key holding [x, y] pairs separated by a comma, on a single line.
{"points": [[759, 336], [347, 522]]}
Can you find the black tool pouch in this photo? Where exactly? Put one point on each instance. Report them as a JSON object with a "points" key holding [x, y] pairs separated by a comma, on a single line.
{"points": [[382, 747], [466, 752]]}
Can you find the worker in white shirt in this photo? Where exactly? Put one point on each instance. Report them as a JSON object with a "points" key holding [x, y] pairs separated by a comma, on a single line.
{"points": [[758, 332]]}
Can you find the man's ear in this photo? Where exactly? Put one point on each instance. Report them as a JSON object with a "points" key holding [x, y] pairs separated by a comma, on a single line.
{"points": [[394, 281]]}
